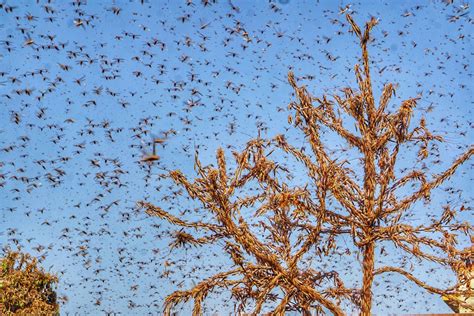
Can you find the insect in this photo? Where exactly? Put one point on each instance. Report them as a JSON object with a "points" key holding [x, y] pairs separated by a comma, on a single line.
{"points": [[153, 156]]}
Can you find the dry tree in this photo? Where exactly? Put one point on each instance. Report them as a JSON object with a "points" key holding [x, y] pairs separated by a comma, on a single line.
{"points": [[25, 288], [299, 221]]}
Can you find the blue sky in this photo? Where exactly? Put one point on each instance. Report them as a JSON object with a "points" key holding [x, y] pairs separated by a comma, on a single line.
{"points": [[212, 88]]}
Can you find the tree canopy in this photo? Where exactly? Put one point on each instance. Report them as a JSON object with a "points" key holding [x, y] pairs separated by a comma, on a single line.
{"points": [[297, 222], [25, 288]]}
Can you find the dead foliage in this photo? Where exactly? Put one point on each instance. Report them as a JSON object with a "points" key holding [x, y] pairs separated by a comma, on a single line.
{"points": [[300, 220]]}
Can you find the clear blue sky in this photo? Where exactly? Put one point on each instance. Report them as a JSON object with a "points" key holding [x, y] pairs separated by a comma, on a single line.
{"points": [[78, 83]]}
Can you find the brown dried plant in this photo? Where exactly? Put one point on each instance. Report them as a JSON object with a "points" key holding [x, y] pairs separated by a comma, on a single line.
{"points": [[25, 288], [299, 221]]}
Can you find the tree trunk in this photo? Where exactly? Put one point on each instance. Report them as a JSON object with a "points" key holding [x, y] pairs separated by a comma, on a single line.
{"points": [[368, 277]]}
